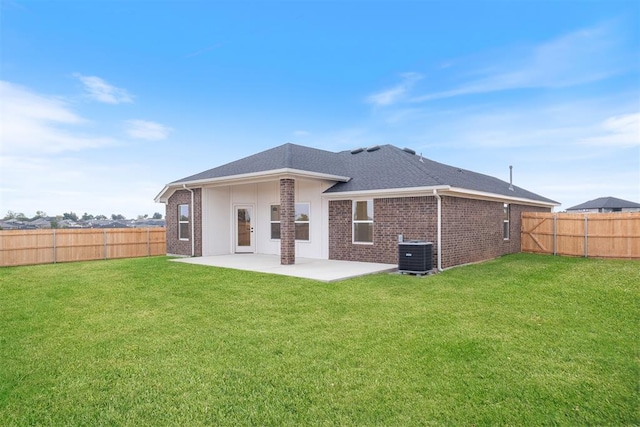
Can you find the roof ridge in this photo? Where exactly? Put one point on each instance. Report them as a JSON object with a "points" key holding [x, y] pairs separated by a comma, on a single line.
{"points": [[287, 154]]}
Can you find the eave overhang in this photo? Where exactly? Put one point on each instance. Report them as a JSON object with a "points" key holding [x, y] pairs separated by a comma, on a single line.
{"points": [[443, 190], [246, 178]]}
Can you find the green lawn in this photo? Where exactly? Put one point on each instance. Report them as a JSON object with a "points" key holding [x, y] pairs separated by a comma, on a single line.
{"points": [[521, 340]]}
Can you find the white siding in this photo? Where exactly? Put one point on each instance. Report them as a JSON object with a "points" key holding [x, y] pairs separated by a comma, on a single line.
{"points": [[219, 204], [216, 218], [268, 194]]}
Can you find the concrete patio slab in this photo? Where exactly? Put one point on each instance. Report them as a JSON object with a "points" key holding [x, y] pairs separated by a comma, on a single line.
{"points": [[317, 269]]}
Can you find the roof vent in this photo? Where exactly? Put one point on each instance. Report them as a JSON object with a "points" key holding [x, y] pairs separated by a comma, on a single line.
{"points": [[357, 150], [409, 150], [373, 148], [511, 179]]}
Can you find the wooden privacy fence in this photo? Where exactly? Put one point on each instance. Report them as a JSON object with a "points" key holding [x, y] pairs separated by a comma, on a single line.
{"points": [[613, 235], [23, 247]]}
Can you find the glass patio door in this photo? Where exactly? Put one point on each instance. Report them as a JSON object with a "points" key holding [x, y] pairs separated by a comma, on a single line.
{"points": [[244, 229]]}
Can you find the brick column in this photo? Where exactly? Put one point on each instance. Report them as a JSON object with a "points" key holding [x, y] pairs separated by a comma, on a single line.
{"points": [[287, 222]]}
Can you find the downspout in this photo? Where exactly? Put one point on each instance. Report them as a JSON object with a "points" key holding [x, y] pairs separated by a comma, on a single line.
{"points": [[193, 222], [439, 238]]}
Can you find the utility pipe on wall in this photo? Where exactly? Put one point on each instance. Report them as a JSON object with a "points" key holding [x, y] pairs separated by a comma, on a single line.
{"points": [[439, 238], [193, 223]]}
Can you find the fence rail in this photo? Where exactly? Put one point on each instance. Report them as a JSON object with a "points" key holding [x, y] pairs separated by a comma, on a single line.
{"points": [[614, 235], [24, 247]]}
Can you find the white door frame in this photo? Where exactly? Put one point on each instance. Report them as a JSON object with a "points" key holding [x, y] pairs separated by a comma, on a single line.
{"points": [[239, 241]]}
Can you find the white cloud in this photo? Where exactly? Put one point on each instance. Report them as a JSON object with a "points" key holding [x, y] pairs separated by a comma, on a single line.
{"points": [[79, 184], [583, 183], [579, 57], [142, 129], [622, 130], [101, 91], [396, 93], [31, 122], [48, 161]]}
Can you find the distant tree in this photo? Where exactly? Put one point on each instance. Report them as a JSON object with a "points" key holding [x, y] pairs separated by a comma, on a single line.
{"points": [[15, 215], [70, 216], [87, 217], [117, 217], [39, 214], [145, 216], [157, 215], [54, 223], [100, 217]]}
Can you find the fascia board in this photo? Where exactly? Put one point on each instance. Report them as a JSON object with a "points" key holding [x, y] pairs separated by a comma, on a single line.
{"points": [[473, 194], [161, 198], [169, 189], [274, 173], [388, 192], [443, 190]]}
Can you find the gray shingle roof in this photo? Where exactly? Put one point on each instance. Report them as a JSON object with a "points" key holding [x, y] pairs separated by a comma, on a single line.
{"points": [[290, 156], [388, 167], [605, 203], [391, 167]]}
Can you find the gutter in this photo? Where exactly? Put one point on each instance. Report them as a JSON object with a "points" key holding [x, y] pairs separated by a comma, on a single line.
{"points": [[439, 241], [193, 222]]}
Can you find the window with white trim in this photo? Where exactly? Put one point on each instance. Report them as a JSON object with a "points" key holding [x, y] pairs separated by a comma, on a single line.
{"points": [[363, 221], [505, 223], [183, 222], [302, 221]]}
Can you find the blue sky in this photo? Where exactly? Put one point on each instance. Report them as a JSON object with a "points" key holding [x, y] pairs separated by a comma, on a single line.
{"points": [[104, 102]]}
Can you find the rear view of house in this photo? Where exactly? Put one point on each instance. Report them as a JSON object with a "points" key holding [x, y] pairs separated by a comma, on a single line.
{"points": [[297, 201]]}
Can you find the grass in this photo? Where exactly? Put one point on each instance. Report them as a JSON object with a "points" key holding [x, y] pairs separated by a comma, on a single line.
{"points": [[521, 340]]}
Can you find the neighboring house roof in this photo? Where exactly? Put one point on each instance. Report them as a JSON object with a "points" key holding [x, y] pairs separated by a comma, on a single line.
{"points": [[112, 224], [605, 203], [364, 170]]}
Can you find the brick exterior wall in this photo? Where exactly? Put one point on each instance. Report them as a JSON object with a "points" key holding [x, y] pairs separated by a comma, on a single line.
{"points": [[413, 217], [287, 222], [183, 247], [471, 229]]}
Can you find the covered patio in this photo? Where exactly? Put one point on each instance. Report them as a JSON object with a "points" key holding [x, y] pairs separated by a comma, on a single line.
{"points": [[308, 268]]}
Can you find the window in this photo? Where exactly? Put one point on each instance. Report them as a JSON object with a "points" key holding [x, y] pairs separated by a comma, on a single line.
{"points": [[505, 224], [301, 220], [183, 222], [275, 221], [363, 221]]}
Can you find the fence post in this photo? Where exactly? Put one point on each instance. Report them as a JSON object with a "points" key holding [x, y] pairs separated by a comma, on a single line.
{"points": [[148, 243], [54, 246], [104, 233], [586, 239], [555, 234]]}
